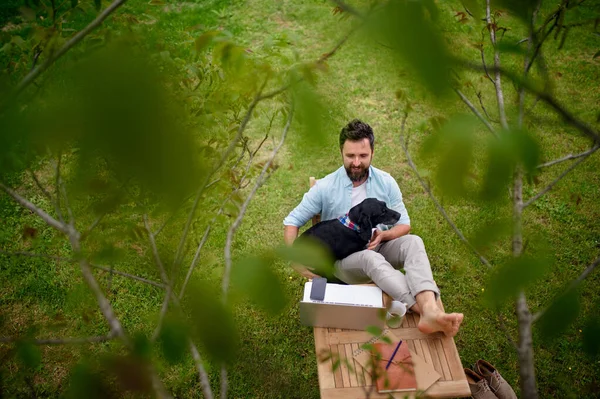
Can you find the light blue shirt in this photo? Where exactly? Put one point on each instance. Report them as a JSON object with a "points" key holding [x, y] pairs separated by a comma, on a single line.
{"points": [[331, 197]]}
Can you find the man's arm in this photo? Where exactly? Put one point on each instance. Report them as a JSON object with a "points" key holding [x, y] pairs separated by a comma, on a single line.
{"points": [[290, 233]]}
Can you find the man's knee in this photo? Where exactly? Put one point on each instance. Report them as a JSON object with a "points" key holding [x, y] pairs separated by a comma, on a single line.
{"points": [[372, 260], [414, 241]]}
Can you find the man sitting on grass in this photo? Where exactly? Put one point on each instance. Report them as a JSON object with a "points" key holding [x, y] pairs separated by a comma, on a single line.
{"points": [[388, 250]]}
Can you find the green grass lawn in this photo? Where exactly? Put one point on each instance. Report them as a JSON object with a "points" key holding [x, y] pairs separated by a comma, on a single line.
{"points": [[276, 357]]}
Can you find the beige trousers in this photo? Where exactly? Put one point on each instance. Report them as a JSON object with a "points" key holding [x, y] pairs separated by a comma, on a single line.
{"points": [[381, 266]]}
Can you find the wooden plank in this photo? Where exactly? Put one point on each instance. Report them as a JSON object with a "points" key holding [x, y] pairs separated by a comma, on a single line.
{"points": [[326, 379], [352, 336], [359, 393], [351, 365], [344, 367], [435, 358], [411, 345], [426, 352], [443, 360], [449, 389], [411, 320], [337, 374], [360, 374], [418, 348], [454, 363]]}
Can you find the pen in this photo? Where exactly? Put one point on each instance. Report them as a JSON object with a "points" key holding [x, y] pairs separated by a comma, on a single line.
{"points": [[393, 354]]}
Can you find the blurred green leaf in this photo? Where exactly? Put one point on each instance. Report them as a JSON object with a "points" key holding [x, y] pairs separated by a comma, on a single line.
{"points": [[510, 148], [453, 144], [374, 331], [98, 4], [132, 373], [256, 278], [309, 113], [561, 313], [409, 28], [520, 8], [205, 40], [212, 323], [507, 280], [499, 169], [173, 339], [29, 355], [591, 332], [85, 383], [141, 346], [490, 231], [310, 253]]}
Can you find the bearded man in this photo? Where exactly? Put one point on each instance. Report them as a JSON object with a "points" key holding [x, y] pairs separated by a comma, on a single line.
{"points": [[391, 247]]}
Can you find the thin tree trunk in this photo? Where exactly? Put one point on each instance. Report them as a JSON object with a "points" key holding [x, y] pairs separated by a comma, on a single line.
{"points": [[525, 346]]}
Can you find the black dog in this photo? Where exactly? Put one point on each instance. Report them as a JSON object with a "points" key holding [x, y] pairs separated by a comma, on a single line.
{"points": [[352, 233]]}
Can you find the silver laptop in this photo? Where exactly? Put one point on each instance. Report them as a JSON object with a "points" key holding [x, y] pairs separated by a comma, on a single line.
{"points": [[353, 307]]}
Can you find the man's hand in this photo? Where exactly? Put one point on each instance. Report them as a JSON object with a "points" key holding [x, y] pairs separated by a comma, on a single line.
{"points": [[376, 239]]}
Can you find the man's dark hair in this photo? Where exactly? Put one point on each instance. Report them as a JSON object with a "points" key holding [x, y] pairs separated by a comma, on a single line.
{"points": [[357, 130]]}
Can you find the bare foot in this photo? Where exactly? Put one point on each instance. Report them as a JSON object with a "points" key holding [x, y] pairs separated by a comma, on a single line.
{"points": [[434, 321]]}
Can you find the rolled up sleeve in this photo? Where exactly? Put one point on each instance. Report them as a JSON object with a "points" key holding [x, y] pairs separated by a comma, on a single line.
{"points": [[311, 205], [397, 204]]}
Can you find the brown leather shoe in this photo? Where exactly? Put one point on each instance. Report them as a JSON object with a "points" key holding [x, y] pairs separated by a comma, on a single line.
{"points": [[498, 384], [479, 386]]}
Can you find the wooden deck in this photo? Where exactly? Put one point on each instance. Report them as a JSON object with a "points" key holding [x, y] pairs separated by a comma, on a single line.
{"points": [[351, 382]]}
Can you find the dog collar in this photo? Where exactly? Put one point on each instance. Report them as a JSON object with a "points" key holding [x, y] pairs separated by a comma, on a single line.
{"points": [[345, 220]]}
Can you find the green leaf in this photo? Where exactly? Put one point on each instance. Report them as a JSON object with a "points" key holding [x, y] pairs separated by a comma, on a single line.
{"points": [[513, 277], [132, 373], [490, 231], [310, 112], [255, 277], [521, 8], [591, 332], [374, 331], [499, 169], [212, 322], [310, 253], [74, 3], [205, 40], [409, 28], [561, 313], [85, 383], [29, 355], [173, 339], [596, 55], [512, 147], [453, 143], [98, 4]]}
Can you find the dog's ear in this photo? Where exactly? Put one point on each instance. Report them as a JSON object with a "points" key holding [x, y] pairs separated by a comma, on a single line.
{"points": [[364, 222]]}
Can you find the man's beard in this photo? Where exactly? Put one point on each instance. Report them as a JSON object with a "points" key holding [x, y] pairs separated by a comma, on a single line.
{"points": [[357, 174]]}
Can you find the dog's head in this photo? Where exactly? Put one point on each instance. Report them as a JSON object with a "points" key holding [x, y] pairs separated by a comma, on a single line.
{"points": [[370, 213]]}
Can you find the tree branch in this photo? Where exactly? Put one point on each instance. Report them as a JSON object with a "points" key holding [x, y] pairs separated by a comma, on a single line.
{"points": [[439, 207], [42, 188], [236, 224], [104, 268], [225, 155], [569, 157], [547, 98], [67, 46], [506, 332], [26, 204], [497, 75], [574, 284], [477, 113], [559, 178]]}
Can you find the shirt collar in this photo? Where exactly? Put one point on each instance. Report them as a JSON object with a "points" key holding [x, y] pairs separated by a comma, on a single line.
{"points": [[345, 220]]}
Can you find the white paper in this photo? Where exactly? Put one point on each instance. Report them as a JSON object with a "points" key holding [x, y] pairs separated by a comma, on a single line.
{"points": [[358, 295]]}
